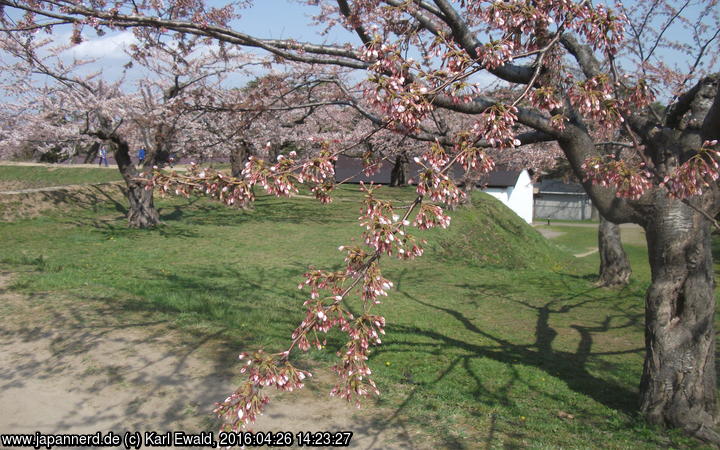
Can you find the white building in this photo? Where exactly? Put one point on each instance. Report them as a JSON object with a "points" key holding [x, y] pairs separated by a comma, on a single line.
{"points": [[556, 199], [514, 189]]}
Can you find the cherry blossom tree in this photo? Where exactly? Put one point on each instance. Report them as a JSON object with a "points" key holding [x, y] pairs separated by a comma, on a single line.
{"points": [[59, 110], [614, 270], [574, 72]]}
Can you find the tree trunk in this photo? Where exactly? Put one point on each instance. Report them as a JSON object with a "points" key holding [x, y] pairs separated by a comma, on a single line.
{"points": [[678, 382], [614, 265], [238, 155], [91, 153], [399, 174], [142, 212]]}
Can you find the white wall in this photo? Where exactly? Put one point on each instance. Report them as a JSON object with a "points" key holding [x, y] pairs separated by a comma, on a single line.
{"points": [[521, 197], [518, 198], [499, 193]]}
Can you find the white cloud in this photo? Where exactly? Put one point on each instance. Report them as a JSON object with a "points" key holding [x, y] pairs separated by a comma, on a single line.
{"points": [[111, 46]]}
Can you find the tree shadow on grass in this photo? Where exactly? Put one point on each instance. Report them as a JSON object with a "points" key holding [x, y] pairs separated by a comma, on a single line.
{"points": [[247, 305], [571, 366], [89, 197]]}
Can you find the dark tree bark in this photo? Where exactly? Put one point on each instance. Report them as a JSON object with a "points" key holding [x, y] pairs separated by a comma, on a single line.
{"points": [[91, 153], [678, 381], [238, 156], [158, 153], [399, 174], [141, 211], [614, 265], [678, 385]]}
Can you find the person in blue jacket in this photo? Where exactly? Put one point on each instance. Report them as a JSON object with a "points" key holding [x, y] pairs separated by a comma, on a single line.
{"points": [[103, 156]]}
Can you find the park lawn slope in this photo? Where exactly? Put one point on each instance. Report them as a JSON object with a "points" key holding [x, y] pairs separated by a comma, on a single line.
{"points": [[488, 347]]}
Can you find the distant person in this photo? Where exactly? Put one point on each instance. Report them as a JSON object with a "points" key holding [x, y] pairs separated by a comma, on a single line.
{"points": [[103, 156], [141, 155], [171, 160]]}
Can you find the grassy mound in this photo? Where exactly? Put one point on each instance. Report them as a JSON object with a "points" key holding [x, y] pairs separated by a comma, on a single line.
{"points": [[92, 197], [489, 234]]}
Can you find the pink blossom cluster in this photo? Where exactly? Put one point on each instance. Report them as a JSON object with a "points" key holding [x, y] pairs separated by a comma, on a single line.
{"points": [[558, 121], [374, 284], [495, 53], [353, 369], [496, 126], [473, 158], [438, 186], [380, 222], [263, 370], [391, 89], [436, 156], [629, 181], [244, 405], [601, 26], [385, 232], [695, 174], [208, 182], [515, 16], [371, 163], [594, 98], [355, 259], [318, 170], [320, 318], [639, 96], [403, 102], [545, 98], [317, 280], [281, 179], [455, 60], [431, 216], [376, 50]]}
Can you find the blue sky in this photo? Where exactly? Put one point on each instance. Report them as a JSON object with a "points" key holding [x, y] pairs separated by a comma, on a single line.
{"points": [[282, 19], [273, 19], [276, 19]]}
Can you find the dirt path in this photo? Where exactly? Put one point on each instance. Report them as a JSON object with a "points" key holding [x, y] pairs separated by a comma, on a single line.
{"points": [[111, 166], [67, 187], [68, 367], [37, 164], [630, 232]]}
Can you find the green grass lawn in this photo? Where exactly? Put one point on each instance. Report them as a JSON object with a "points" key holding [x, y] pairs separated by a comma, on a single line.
{"points": [[494, 338], [27, 177]]}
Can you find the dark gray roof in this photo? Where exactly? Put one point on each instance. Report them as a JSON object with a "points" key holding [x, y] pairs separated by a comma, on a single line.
{"points": [[350, 170], [500, 178], [560, 187]]}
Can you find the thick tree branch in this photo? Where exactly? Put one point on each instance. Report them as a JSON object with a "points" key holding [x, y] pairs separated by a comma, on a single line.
{"points": [[583, 55], [711, 125], [288, 49], [354, 21], [480, 104], [424, 21], [578, 146], [466, 38], [687, 101]]}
